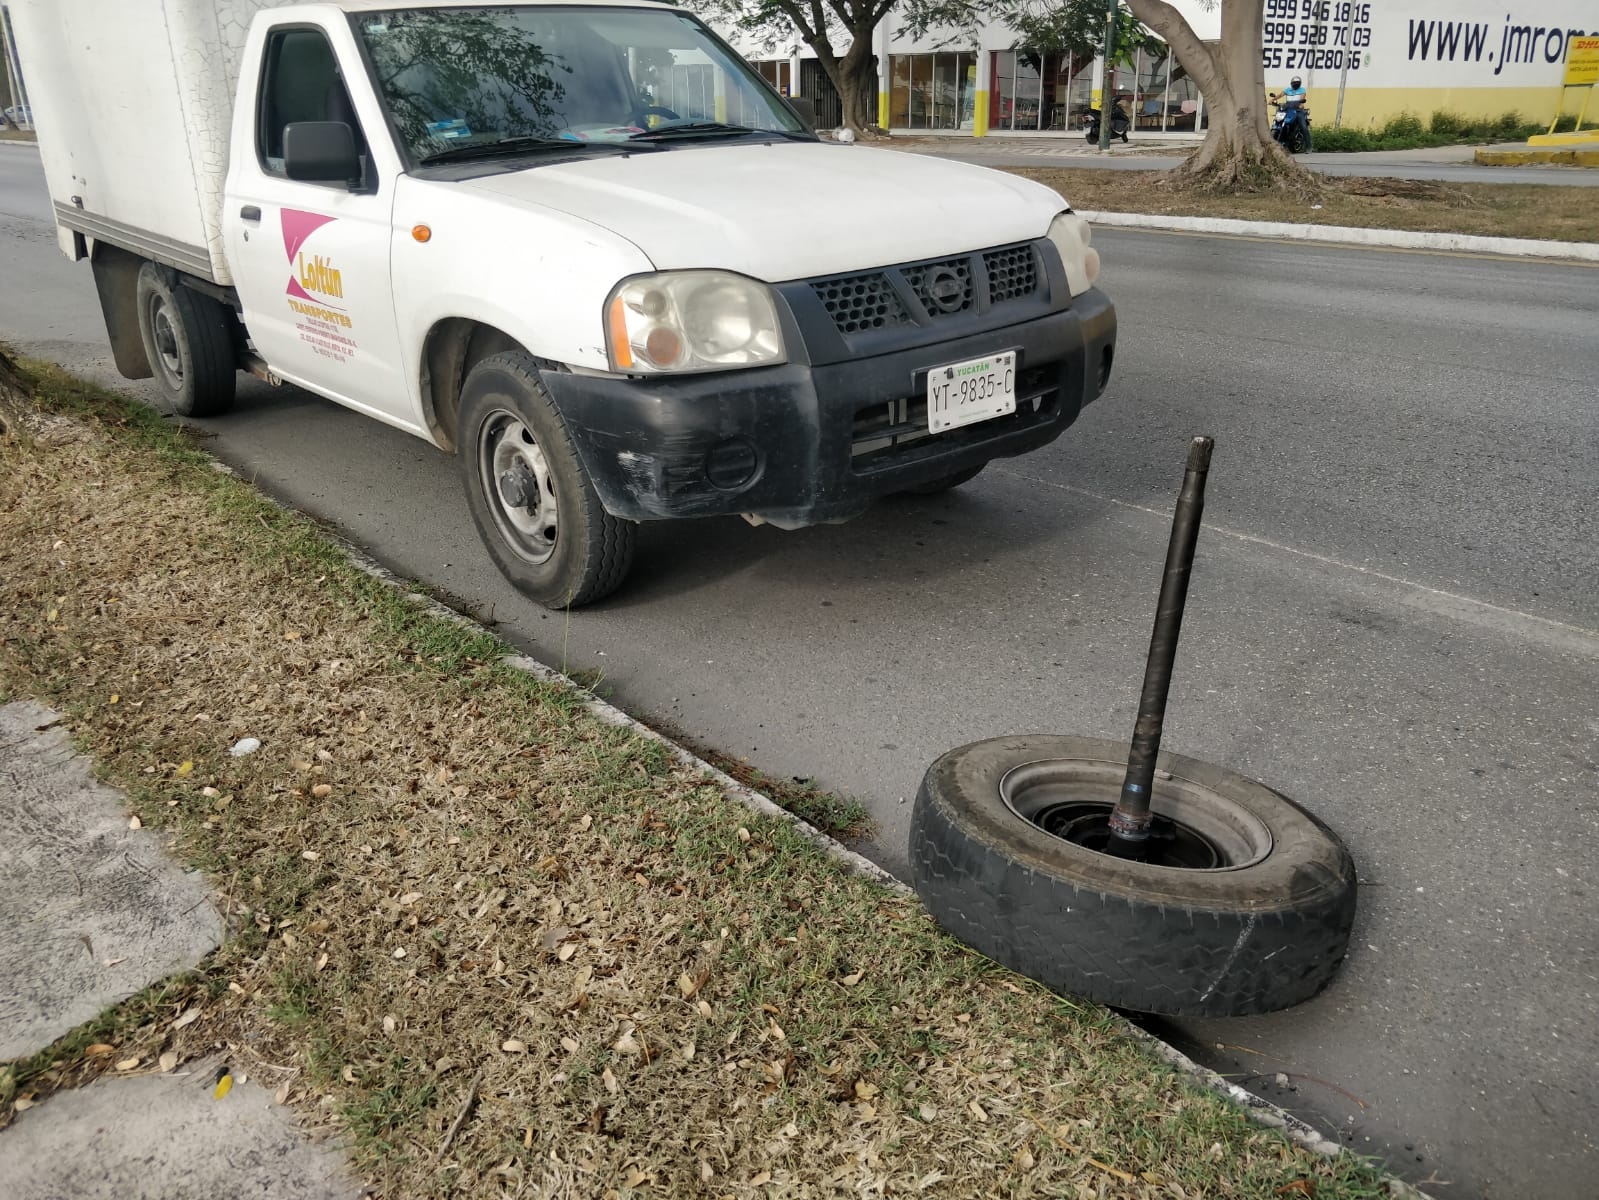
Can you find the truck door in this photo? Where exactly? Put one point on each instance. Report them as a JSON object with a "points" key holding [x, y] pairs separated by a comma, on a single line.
{"points": [[311, 260]]}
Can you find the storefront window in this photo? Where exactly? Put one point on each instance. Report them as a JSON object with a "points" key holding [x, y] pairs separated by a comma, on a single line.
{"points": [[1004, 101], [777, 73], [899, 91], [1149, 91], [1163, 97], [966, 69], [1045, 91], [1079, 90], [1037, 91], [932, 91]]}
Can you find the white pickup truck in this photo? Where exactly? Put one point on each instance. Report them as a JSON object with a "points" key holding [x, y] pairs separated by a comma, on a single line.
{"points": [[580, 245]]}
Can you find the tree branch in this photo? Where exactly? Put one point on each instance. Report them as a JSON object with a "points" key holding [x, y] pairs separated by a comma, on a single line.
{"points": [[1191, 52]]}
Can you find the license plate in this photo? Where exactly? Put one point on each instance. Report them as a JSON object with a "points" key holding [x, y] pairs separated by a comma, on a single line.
{"points": [[967, 392]]}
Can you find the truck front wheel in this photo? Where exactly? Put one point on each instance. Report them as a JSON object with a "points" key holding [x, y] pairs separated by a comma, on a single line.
{"points": [[189, 341], [533, 502]]}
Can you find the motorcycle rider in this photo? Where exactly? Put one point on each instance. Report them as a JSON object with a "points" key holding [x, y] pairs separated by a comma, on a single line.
{"points": [[1294, 96]]}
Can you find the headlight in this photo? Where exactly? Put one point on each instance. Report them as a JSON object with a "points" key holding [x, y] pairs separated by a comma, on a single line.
{"points": [[692, 321], [1071, 236]]}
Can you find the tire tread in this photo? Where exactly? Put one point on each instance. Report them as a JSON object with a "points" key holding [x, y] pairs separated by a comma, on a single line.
{"points": [[608, 542], [1144, 955], [211, 378]]}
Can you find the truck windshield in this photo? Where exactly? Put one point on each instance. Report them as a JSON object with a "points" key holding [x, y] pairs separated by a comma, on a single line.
{"points": [[512, 75]]}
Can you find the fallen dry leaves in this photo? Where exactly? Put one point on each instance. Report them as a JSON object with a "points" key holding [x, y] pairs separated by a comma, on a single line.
{"points": [[428, 853]]}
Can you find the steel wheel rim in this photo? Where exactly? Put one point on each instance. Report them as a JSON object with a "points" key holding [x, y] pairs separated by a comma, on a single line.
{"points": [[1071, 799], [519, 487], [165, 336]]}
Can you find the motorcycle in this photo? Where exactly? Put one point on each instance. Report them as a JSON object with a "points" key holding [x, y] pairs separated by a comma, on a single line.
{"points": [[1119, 125], [1290, 128]]}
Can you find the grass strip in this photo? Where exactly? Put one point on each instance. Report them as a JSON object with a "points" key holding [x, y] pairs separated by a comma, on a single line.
{"points": [[1562, 214], [1407, 131], [445, 880]]}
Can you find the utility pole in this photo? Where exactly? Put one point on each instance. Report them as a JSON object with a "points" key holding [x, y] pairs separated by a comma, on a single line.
{"points": [[13, 64], [1343, 71], [1107, 90]]}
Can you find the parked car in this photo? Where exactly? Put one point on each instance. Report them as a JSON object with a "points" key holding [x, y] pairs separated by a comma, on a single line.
{"points": [[592, 254], [20, 115]]}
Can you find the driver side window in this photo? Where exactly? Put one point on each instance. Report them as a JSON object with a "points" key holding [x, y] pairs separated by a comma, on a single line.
{"points": [[301, 83]]}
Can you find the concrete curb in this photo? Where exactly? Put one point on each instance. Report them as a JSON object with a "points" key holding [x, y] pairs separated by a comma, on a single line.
{"points": [[1347, 235], [1570, 157], [1259, 1110]]}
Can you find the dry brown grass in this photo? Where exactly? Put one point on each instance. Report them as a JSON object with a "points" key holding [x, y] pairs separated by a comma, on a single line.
{"points": [[446, 879], [1567, 214]]}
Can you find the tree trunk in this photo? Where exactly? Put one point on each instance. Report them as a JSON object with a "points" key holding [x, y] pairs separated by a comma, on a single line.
{"points": [[14, 390], [1238, 153], [854, 77]]}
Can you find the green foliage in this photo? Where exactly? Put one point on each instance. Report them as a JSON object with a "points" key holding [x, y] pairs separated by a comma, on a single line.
{"points": [[486, 68], [1074, 26], [1404, 127], [1408, 132], [1446, 124]]}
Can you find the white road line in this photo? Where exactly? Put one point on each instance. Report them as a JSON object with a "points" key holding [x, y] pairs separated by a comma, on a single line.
{"points": [[1573, 639]]}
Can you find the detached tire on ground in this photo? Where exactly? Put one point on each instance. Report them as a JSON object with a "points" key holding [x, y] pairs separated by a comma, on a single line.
{"points": [[530, 497], [189, 340], [1264, 930]]}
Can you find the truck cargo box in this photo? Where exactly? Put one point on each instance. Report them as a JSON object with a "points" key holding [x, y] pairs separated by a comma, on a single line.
{"points": [[134, 103]]}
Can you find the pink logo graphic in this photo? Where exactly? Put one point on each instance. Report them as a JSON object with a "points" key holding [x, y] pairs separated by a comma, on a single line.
{"points": [[297, 226], [319, 274]]}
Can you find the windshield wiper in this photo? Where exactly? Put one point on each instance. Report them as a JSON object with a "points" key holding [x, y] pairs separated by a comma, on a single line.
{"points": [[507, 147], [693, 129]]}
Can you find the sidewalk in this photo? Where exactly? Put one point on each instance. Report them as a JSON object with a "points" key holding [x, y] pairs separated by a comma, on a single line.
{"points": [[92, 912], [1070, 145], [1442, 164]]}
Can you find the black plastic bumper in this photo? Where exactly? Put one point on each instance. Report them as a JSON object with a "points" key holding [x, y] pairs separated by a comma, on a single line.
{"points": [[801, 445]]}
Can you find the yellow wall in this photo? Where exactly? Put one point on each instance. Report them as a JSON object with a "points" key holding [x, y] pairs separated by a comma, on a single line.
{"points": [[1365, 107]]}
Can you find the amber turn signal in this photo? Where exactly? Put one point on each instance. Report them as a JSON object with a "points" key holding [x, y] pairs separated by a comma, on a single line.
{"points": [[422, 233], [621, 350]]}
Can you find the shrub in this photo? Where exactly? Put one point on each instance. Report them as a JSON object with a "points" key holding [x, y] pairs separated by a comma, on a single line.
{"points": [[1510, 125], [1447, 125], [1405, 127], [1343, 141]]}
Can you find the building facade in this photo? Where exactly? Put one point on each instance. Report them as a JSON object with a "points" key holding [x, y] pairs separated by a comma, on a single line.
{"points": [[1364, 62]]}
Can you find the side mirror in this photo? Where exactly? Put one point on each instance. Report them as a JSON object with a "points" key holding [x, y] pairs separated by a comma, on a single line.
{"points": [[804, 108], [321, 152]]}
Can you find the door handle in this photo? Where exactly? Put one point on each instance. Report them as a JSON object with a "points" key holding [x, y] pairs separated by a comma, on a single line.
{"points": [[250, 213]]}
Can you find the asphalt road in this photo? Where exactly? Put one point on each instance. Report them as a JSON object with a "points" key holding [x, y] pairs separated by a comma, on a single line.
{"points": [[1394, 619]]}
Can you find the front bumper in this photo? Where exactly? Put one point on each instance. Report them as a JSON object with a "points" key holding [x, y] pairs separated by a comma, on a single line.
{"points": [[801, 445]]}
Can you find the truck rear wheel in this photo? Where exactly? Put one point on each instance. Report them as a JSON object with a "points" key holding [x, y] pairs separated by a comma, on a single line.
{"points": [[530, 497], [189, 341]]}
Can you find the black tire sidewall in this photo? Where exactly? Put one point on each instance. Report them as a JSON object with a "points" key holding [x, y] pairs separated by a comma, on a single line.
{"points": [[576, 573], [1305, 860], [1153, 939], [204, 341]]}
